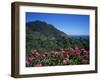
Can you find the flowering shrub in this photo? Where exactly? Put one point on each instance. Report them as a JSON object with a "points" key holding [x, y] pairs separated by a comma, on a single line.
{"points": [[70, 56]]}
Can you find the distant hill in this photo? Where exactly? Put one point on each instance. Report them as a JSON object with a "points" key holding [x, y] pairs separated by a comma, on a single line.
{"points": [[40, 34]]}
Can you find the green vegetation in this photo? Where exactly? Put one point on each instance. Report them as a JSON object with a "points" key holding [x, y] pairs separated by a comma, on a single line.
{"points": [[40, 35]]}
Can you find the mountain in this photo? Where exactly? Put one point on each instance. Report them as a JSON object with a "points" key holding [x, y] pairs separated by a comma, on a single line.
{"points": [[43, 30], [40, 34]]}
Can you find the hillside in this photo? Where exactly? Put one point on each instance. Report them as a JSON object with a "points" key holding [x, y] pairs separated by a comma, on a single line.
{"points": [[40, 34]]}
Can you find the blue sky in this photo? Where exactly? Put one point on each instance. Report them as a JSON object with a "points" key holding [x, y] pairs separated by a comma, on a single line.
{"points": [[71, 24]]}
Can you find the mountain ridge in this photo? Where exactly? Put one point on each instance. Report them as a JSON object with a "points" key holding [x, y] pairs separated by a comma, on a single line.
{"points": [[45, 29]]}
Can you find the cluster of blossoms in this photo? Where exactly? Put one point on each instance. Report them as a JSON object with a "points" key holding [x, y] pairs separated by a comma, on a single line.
{"points": [[70, 56]]}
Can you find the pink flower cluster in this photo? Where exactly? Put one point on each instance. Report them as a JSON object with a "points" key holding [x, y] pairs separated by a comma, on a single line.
{"points": [[70, 56]]}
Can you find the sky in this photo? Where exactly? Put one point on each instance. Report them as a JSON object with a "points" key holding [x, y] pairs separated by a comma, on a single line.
{"points": [[70, 24]]}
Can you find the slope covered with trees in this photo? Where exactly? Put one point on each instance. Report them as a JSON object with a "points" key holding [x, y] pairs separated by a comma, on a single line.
{"points": [[43, 35]]}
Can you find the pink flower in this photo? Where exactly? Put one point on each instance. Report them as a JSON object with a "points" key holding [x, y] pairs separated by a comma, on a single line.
{"points": [[64, 61], [67, 56], [62, 52], [67, 52], [37, 54], [42, 55], [85, 52], [27, 62], [38, 65], [33, 59], [56, 53], [52, 52], [77, 51], [76, 48], [71, 50], [82, 49], [84, 61], [34, 52]]}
